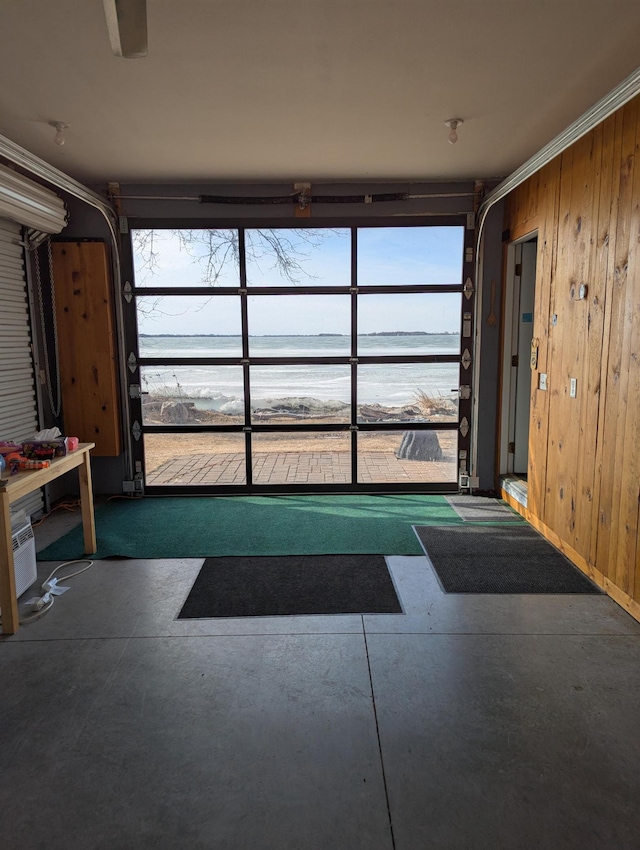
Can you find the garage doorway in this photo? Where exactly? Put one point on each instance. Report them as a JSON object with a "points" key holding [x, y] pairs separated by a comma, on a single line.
{"points": [[297, 359]]}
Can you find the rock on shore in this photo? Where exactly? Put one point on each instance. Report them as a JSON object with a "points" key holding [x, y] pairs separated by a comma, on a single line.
{"points": [[159, 410]]}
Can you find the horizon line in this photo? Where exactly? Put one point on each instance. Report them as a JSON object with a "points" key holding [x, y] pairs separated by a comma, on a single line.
{"points": [[373, 333]]}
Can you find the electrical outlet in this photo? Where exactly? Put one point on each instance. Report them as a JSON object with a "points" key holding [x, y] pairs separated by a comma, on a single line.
{"points": [[573, 388]]}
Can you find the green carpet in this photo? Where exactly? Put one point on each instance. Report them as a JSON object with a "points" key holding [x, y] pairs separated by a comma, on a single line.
{"points": [[203, 527]]}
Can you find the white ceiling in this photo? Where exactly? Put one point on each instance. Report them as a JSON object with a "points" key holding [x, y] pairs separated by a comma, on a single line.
{"points": [[265, 90]]}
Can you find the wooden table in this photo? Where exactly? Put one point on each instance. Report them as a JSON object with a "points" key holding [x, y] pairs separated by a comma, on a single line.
{"points": [[16, 486]]}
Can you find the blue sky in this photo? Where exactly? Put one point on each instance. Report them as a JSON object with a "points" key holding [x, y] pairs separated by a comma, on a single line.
{"points": [[389, 256]]}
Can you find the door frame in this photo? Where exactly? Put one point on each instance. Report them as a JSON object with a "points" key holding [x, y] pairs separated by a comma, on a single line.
{"points": [[510, 336]]}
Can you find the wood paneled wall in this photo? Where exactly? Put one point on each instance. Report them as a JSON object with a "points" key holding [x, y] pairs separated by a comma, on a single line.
{"points": [[87, 346], [584, 452]]}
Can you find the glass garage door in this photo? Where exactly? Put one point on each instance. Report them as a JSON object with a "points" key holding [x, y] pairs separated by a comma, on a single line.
{"points": [[298, 359]]}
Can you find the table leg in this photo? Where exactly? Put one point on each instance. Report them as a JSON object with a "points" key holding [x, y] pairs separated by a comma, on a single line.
{"points": [[8, 599], [86, 505]]}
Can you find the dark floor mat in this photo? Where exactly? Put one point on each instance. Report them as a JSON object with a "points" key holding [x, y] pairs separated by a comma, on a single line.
{"points": [[499, 559], [289, 585]]}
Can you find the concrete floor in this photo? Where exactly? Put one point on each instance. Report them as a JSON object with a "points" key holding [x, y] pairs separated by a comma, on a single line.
{"points": [[467, 722]]}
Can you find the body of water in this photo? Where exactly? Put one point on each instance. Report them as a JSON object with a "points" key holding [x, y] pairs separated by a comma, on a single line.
{"points": [[218, 387]]}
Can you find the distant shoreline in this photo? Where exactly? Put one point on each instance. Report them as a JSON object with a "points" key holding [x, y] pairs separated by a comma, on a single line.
{"points": [[294, 336]]}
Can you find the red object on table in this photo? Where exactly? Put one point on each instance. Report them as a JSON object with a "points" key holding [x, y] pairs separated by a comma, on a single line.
{"points": [[13, 461], [30, 463]]}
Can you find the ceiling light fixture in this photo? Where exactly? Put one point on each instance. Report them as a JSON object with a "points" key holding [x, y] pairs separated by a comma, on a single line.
{"points": [[453, 124], [59, 127]]}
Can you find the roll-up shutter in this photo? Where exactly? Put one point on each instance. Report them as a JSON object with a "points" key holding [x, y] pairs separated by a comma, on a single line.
{"points": [[18, 409], [29, 203]]}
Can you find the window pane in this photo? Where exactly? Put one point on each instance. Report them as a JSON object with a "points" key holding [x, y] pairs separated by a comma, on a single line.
{"points": [[301, 257], [408, 392], [185, 257], [403, 323], [304, 394], [292, 458], [403, 256], [189, 326], [182, 460], [403, 457], [299, 325], [192, 395]]}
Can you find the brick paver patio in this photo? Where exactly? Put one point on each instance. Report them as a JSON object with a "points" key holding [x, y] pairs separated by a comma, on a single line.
{"points": [[299, 468]]}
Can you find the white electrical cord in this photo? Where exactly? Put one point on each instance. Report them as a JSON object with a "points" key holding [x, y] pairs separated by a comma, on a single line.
{"points": [[46, 600]]}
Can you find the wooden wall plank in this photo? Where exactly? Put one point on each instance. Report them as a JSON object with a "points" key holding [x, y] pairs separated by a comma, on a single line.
{"points": [[603, 270], [549, 189], [558, 501], [87, 350], [588, 346], [524, 212], [616, 379], [629, 470], [636, 592]]}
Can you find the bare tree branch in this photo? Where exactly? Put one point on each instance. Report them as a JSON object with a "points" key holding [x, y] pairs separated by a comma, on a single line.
{"points": [[222, 250]]}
